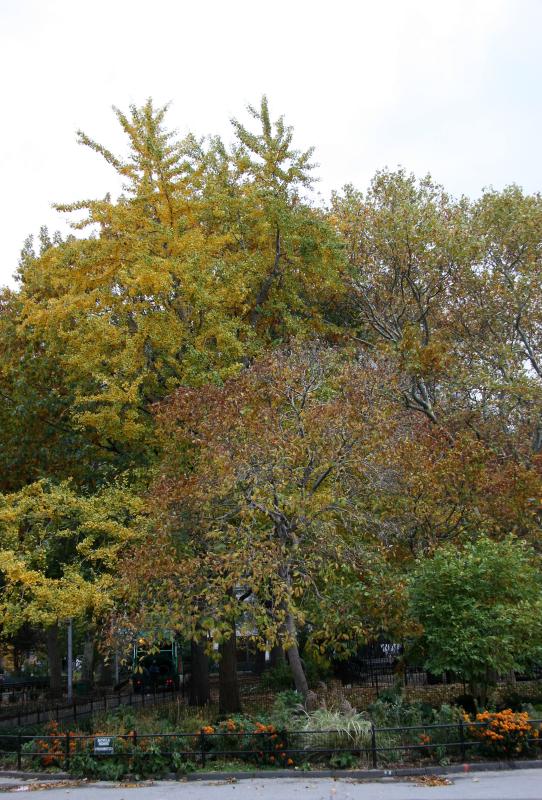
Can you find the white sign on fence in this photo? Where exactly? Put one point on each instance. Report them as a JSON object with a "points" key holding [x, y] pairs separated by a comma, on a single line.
{"points": [[103, 745]]}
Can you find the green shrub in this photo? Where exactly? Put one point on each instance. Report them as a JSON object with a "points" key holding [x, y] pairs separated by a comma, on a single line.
{"points": [[278, 678], [342, 761], [516, 700], [182, 765], [84, 765], [287, 708], [149, 760], [316, 669], [393, 694], [467, 702]]}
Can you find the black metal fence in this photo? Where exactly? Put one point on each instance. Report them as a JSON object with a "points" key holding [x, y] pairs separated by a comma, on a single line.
{"points": [[40, 711], [22, 689], [383, 673], [368, 747]]}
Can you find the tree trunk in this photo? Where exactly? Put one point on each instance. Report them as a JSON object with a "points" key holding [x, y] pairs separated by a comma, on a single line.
{"points": [[511, 677], [200, 693], [55, 660], [480, 688], [87, 667], [228, 686], [277, 656], [104, 671], [259, 664], [294, 659], [17, 659]]}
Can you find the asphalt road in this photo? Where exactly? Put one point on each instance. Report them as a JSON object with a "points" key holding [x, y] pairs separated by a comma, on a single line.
{"points": [[514, 785]]}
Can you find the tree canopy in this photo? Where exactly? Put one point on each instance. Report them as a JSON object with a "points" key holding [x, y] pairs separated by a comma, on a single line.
{"points": [[228, 407]]}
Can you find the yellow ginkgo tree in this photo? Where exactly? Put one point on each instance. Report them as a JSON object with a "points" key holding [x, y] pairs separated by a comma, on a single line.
{"points": [[210, 255], [59, 552]]}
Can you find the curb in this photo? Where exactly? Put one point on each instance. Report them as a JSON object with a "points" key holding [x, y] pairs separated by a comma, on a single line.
{"points": [[367, 774], [40, 776], [358, 774]]}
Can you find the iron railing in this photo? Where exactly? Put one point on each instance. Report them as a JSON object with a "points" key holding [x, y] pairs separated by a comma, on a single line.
{"points": [[38, 712], [372, 747]]}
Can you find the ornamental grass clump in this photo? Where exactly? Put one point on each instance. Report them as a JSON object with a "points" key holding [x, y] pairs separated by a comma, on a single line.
{"points": [[337, 730]]}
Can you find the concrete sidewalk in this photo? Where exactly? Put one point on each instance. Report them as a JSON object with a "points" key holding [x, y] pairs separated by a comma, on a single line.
{"points": [[502, 785]]}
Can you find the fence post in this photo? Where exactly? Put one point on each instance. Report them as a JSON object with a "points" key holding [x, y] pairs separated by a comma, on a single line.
{"points": [[202, 746], [373, 746], [462, 741], [19, 746], [67, 753]]}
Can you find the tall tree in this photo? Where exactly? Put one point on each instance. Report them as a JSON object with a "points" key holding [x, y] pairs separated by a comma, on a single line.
{"points": [[405, 242], [262, 481], [209, 256]]}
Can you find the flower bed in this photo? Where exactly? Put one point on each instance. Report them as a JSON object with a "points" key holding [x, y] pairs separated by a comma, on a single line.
{"points": [[504, 734]]}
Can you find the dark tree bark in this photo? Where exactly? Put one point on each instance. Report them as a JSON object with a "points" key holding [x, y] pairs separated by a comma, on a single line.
{"points": [[200, 692], [229, 699], [104, 672], [259, 665], [294, 659], [17, 659], [277, 656], [292, 651], [265, 288], [89, 657], [54, 658]]}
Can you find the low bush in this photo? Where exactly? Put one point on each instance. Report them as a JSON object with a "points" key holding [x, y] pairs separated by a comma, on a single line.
{"points": [[467, 702], [277, 679], [504, 733], [259, 742], [287, 709], [517, 700]]}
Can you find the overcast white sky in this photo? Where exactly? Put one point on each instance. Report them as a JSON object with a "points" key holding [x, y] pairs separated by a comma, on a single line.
{"points": [[446, 86]]}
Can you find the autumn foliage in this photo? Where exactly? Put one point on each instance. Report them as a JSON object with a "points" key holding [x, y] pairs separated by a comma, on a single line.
{"points": [[229, 408], [505, 733]]}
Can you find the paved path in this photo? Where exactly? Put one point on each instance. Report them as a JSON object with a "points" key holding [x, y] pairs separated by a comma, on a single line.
{"points": [[512, 785]]}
